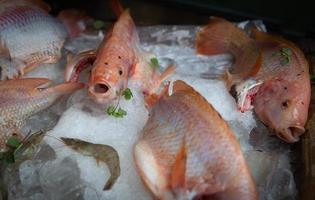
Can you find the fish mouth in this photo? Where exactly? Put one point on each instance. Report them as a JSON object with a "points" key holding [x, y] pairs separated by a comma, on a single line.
{"points": [[101, 91], [291, 134]]}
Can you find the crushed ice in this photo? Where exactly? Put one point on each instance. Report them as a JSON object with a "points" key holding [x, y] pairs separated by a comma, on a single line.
{"points": [[69, 175]]}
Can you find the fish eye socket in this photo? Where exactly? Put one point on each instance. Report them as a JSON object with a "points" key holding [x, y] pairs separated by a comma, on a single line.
{"points": [[120, 72], [285, 104]]}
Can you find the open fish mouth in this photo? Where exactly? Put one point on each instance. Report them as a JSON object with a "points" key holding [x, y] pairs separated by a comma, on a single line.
{"points": [[101, 91], [291, 134], [244, 93]]}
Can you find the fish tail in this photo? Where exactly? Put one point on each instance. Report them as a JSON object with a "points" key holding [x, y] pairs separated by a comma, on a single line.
{"points": [[218, 36], [116, 6], [221, 36]]}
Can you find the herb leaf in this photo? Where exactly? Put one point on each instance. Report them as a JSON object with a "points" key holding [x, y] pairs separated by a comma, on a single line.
{"points": [[112, 111], [8, 156], [13, 142], [285, 54], [154, 63], [127, 94]]}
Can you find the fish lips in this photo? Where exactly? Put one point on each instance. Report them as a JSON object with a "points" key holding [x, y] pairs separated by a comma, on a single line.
{"points": [[102, 92], [291, 134]]}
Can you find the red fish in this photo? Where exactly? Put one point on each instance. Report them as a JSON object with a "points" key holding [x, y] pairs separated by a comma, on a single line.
{"points": [[269, 74], [119, 59], [22, 98], [187, 151]]}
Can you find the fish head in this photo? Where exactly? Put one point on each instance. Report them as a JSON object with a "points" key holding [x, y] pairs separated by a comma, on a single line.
{"points": [[283, 107], [107, 80]]}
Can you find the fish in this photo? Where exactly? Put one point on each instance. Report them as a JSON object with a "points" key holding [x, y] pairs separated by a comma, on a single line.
{"points": [[270, 75], [29, 36], [119, 59], [187, 151], [22, 98], [100, 152]]}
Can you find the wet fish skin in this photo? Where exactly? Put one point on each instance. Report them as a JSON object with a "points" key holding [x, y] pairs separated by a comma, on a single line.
{"points": [[100, 152], [282, 93], [118, 60], [187, 151], [29, 36], [22, 98]]}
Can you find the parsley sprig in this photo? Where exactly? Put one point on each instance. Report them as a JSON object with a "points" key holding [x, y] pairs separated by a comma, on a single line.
{"points": [[8, 156], [154, 63], [116, 110], [285, 54]]}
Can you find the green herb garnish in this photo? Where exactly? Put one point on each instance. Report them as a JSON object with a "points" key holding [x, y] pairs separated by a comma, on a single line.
{"points": [[13, 142], [112, 111], [127, 94], [98, 24], [154, 63], [8, 156], [285, 54]]}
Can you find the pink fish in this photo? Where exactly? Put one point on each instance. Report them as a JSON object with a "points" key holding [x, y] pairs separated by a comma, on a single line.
{"points": [[22, 98], [269, 74], [187, 151], [119, 59]]}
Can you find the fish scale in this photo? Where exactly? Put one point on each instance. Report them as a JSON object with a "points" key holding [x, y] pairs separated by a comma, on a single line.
{"points": [[20, 99], [187, 151], [30, 35]]}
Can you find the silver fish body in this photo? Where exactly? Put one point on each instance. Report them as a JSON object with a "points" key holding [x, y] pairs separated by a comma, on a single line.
{"points": [[29, 36]]}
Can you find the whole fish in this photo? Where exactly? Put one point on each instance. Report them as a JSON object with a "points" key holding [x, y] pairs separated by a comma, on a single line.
{"points": [[22, 98], [118, 59], [100, 152], [29, 36], [187, 151], [269, 74]]}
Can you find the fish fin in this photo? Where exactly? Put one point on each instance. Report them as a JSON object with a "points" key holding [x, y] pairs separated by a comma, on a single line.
{"points": [[151, 99], [116, 6], [270, 38], [63, 89], [167, 72], [229, 79], [179, 170], [221, 36], [4, 51]]}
